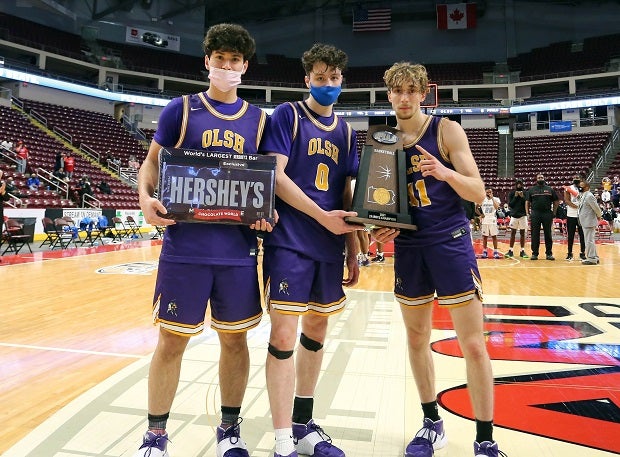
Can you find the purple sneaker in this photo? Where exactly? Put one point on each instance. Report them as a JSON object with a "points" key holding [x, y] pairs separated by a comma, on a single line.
{"points": [[487, 449], [229, 443], [153, 445], [429, 438], [310, 439]]}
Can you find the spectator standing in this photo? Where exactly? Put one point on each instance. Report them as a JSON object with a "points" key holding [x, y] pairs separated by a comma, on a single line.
{"points": [[518, 218], [59, 161], [589, 215], [571, 197], [489, 207], [69, 165], [22, 156], [541, 204]]}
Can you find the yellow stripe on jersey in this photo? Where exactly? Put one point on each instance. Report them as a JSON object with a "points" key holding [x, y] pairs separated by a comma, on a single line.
{"points": [[184, 121], [216, 113]]}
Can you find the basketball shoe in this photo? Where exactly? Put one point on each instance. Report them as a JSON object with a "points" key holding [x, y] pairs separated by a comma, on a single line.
{"points": [[310, 439], [487, 449], [429, 438], [153, 445], [229, 443]]}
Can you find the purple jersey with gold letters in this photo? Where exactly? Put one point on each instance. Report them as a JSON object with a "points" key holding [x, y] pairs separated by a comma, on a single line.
{"points": [[198, 122], [321, 153], [434, 206], [439, 257]]}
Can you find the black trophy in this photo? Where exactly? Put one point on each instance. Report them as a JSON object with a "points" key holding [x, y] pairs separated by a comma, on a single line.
{"points": [[380, 195]]}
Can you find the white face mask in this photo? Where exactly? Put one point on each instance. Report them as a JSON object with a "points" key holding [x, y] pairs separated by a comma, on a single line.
{"points": [[224, 80]]}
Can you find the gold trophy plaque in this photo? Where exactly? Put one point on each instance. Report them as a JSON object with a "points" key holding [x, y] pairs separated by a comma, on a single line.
{"points": [[380, 194]]}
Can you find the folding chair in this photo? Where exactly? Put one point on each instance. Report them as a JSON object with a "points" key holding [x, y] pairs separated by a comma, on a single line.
{"points": [[15, 237], [120, 229], [603, 230], [51, 236], [160, 231], [133, 226], [90, 227], [64, 231]]}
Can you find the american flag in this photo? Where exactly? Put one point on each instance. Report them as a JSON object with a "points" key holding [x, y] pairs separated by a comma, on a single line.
{"points": [[372, 20]]}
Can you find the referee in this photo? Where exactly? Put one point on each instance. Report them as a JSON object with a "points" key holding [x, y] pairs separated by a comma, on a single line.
{"points": [[541, 204]]}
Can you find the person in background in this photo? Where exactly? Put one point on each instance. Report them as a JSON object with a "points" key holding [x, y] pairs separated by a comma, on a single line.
{"points": [[589, 215], [69, 165], [4, 196], [104, 187], [33, 182], [22, 156], [615, 192], [518, 218], [489, 207], [541, 204], [571, 197]]}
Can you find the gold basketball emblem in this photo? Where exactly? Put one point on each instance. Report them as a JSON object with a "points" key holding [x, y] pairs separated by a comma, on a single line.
{"points": [[381, 196]]}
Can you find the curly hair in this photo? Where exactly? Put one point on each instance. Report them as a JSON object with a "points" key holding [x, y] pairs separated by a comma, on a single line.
{"points": [[405, 73], [326, 53], [231, 38]]}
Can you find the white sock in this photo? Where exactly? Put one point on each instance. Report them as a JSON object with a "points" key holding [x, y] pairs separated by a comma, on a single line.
{"points": [[284, 441]]}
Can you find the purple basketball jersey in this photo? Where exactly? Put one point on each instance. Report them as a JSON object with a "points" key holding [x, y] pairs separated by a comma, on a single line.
{"points": [[434, 205], [321, 153], [198, 122]]}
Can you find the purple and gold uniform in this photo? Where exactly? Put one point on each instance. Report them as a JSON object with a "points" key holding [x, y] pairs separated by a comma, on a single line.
{"points": [[438, 257], [202, 262], [303, 263]]}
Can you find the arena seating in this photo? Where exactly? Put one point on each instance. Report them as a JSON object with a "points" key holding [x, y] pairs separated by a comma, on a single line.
{"points": [[43, 149]]}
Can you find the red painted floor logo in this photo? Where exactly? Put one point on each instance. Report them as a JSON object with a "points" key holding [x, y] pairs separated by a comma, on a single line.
{"points": [[580, 406]]}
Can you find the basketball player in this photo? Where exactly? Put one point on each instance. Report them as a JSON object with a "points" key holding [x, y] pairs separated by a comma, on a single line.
{"points": [[205, 262], [438, 259], [303, 264]]}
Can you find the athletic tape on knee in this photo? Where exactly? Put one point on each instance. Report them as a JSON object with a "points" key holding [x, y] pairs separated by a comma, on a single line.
{"points": [[278, 354], [310, 344]]}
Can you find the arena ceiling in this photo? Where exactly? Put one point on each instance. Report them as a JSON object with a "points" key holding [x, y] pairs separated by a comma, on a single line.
{"points": [[250, 11]]}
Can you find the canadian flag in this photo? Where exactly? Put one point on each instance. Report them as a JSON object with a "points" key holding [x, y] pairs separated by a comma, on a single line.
{"points": [[456, 16]]}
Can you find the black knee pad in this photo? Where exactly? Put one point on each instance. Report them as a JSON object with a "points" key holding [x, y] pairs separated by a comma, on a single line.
{"points": [[310, 344], [278, 354]]}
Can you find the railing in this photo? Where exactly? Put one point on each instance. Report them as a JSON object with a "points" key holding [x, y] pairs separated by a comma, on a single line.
{"points": [[90, 152], [61, 187], [129, 175], [39, 117], [64, 135], [9, 155], [90, 201], [607, 150], [16, 200]]}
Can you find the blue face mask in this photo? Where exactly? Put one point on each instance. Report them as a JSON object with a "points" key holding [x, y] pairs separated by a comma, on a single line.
{"points": [[325, 95]]}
